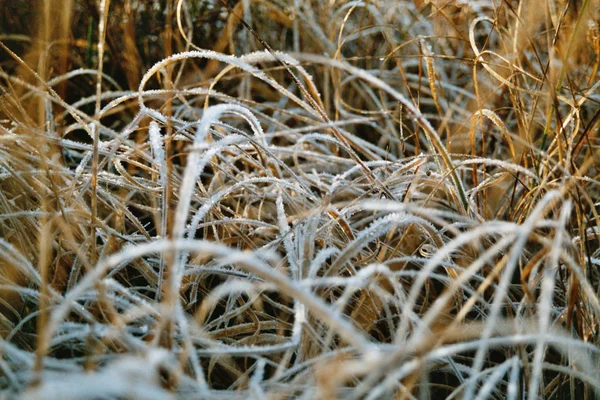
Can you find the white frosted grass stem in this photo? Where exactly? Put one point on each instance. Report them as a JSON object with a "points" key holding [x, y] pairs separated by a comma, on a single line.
{"points": [[422, 331], [210, 202], [231, 287], [512, 390], [160, 161], [246, 261], [491, 228], [585, 355], [491, 383], [418, 116], [284, 234], [191, 351], [257, 378], [103, 12], [547, 293], [243, 63], [523, 232], [468, 273], [126, 376], [195, 164]]}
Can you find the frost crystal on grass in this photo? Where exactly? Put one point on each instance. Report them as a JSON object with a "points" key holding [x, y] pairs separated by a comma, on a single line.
{"points": [[335, 199]]}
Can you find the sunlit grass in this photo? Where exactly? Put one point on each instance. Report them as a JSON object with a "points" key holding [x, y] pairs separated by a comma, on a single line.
{"points": [[311, 199]]}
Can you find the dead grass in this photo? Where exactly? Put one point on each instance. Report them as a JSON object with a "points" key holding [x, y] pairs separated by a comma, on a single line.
{"points": [[312, 199]]}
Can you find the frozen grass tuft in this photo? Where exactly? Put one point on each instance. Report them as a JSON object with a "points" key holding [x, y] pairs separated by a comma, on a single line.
{"points": [[308, 199]]}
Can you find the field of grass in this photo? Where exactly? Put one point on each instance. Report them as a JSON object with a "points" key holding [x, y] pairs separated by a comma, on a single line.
{"points": [[314, 199]]}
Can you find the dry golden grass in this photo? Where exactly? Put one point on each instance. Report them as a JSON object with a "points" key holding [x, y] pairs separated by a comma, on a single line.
{"points": [[313, 199]]}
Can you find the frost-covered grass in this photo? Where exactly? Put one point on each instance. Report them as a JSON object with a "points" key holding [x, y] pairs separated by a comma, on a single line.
{"points": [[331, 199]]}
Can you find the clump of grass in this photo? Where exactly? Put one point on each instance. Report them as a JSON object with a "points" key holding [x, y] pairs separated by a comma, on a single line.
{"points": [[299, 199]]}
